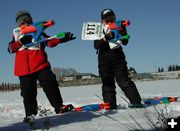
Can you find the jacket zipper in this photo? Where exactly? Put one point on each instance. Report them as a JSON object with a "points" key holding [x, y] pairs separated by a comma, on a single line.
{"points": [[28, 60]]}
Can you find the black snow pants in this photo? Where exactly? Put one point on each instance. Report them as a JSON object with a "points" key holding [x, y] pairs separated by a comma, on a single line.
{"points": [[47, 81], [113, 67]]}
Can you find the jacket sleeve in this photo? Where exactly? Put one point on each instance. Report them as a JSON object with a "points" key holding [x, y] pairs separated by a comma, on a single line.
{"points": [[124, 32], [14, 46], [51, 43]]}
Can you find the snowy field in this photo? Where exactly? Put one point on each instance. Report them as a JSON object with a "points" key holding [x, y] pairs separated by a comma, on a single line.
{"points": [[122, 119]]}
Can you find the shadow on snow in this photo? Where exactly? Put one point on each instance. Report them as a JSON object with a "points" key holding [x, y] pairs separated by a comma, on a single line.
{"points": [[55, 121]]}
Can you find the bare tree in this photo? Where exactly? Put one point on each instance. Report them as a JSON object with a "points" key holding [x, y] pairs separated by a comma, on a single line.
{"points": [[64, 72], [71, 71]]}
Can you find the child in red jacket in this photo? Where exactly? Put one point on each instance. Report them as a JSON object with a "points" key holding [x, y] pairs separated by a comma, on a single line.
{"points": [[31, 65]]}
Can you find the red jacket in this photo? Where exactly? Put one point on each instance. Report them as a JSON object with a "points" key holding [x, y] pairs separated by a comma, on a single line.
{"points": [[29, 60]]}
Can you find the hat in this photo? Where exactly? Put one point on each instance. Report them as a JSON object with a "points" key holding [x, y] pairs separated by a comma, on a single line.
{"points": [[106, 12], [23, 16]]}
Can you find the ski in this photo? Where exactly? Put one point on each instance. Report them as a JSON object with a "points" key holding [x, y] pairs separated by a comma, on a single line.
{"points": [[45, 113], [92, 107], [161, 100]]}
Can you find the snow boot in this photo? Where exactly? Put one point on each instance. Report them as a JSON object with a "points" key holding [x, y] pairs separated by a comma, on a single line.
{"points": [[66, 108], [136, 105], [29, 119]]}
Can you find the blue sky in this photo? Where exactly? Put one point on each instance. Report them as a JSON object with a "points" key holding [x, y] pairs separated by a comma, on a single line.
{"points": [[154, 30]]}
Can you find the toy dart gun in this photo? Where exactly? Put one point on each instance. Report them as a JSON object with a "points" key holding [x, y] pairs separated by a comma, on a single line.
{"points": [[161, 100], [116, 27], [35, 32]]}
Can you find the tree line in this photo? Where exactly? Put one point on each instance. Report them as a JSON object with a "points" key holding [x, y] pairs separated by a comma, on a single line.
{"points": [[6, 87], [170, 68]]}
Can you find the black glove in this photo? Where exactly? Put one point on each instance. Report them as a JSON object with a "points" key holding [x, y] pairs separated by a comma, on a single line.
{"points": [[109, 36], [26, 39], [68, 36]]}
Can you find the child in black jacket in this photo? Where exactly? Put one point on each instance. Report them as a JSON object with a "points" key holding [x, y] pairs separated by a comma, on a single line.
{"points": [[113, 66]]}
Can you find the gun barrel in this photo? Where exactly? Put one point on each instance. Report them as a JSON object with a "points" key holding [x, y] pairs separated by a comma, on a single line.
{"points": [[27, 29], [126, 23]]}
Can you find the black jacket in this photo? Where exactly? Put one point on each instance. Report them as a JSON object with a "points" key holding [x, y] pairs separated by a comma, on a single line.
{"points": [[103, 45], [109, 56]]}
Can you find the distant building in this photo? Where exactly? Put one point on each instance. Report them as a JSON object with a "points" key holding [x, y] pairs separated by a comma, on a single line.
{"points": [[142, 76], [84, 76], [167, 75], [78, 76], [66, 78]]}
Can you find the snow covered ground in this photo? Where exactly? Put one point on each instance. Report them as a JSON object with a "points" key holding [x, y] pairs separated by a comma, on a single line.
{"points": [[122, 119]]}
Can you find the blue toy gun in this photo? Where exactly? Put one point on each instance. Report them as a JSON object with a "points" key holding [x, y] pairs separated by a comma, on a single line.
{"points": [[116, 27], [35, 31]]}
